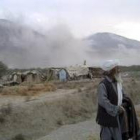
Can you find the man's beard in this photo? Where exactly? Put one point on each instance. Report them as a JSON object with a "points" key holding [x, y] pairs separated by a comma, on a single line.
{"points": [[118, 77], [119, 87]]}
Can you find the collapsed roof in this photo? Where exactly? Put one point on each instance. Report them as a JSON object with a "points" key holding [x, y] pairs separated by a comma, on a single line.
{"points": [[77, 71]]}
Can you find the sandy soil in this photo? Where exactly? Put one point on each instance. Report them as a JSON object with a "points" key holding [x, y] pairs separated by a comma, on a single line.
{"points": [[79, 131], [35, 117], [64, 114], [18, 100]]}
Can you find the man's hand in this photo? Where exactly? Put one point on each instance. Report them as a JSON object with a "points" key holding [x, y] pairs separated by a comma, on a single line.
{"points": [[121, 110]]}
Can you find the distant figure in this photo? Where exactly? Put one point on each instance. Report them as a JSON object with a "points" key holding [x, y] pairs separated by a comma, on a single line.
{"points": [[116, 114]]}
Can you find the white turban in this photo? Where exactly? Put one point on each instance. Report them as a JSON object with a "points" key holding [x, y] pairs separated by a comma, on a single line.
{"points": [[110, 64]]}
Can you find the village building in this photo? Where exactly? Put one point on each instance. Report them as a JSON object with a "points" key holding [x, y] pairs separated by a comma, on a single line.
{"points": [[62, 75], [16, 77], [52, 74], [95, 72], [32, 77], [68, 73], [1, 87], [77, 72]]}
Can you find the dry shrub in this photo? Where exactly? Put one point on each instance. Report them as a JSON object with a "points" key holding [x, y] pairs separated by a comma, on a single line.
{"points": [[31, 89], [72, 84], [19, 137], [93, 137], [138, 113], [49, 87], [16, 90], [1, 89], [79, 90], [132, 88], [27, 98], [77, 106], [60, 122], [5, 110], [81, 104], [72, 108], [23, 91], [6, 91], [40, 88], [36, 87], [2, 119]]}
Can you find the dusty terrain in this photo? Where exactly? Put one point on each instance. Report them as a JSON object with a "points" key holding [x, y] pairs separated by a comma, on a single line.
{"points": [[81, 131], [68, 112]]}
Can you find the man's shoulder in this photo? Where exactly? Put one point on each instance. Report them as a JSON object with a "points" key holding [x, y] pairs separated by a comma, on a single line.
{"points": [[103, 81]]}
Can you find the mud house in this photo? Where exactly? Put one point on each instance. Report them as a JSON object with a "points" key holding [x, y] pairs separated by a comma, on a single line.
{"points": [[5, 77], [52, 74], [62, 74], [95, 72], [11, 79], [32, 77], [68, 73], [16, 77], [1, 87], [77, 72]]}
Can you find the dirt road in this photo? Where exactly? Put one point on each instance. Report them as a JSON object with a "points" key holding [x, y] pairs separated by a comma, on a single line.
{"points": [[79, 131]]}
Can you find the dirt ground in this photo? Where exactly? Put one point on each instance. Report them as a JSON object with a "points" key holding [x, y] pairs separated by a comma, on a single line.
{"points": [[80, 131], [52, 115]]}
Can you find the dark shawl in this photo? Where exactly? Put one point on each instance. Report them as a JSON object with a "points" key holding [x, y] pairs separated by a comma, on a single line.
{"points": [[132, 121]]}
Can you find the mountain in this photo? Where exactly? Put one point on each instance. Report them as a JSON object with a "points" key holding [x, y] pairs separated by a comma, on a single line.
{"points": [[112, 41], [17, 43], [12, 35], [112, 46], [23, 47]]}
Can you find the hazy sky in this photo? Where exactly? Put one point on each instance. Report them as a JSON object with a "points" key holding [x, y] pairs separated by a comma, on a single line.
{"points": [[83, 17]]}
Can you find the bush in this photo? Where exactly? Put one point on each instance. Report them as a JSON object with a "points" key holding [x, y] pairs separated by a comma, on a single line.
{"points": [[3, 69], [2, 119], [18, 137], [93, 137], [5, 111]]}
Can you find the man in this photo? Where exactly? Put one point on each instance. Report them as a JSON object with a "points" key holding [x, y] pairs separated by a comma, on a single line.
{"points": [[112, 115]]}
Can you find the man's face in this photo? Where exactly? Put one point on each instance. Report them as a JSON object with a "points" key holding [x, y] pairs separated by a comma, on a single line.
{"points": [[115, 71]]}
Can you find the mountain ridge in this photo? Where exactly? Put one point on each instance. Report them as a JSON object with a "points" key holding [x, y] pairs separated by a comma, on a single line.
{"points": [[21, 46], [110, 39]]}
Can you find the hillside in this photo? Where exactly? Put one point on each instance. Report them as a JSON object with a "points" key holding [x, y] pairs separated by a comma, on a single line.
{"points": [[23, 47], [112, 41]]}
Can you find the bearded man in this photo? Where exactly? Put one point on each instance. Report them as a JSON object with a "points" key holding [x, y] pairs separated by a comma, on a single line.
{"points": [[116, 114]]}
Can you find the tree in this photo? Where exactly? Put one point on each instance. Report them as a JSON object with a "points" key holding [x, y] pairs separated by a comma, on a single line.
{"points": [[3, 69]]}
